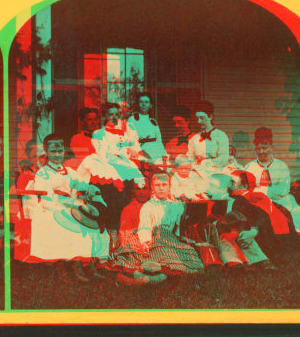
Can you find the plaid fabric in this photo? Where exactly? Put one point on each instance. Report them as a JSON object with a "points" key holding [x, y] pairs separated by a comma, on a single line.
{"points": [[165, 249]]}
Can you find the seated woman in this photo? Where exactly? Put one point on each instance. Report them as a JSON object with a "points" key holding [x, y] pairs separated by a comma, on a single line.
{"points": [[117, 144], [112, 167], [209, 148], [157, 239], [52, 239]]}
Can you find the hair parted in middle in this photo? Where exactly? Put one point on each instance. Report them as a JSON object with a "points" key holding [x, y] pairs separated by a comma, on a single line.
{"points": [[206, 107]]}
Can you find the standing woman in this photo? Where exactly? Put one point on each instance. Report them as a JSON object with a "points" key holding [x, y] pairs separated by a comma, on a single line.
{"points": [[147, 129]]}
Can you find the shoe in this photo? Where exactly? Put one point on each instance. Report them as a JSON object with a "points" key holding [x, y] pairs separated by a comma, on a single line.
{"points": [[154, 279], [154, 272], [133, 278]]}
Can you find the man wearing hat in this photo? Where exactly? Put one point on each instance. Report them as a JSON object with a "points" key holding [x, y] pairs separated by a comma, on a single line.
{"points": [[272, 175]]}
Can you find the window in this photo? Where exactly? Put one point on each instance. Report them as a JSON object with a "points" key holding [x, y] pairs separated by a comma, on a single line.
{"points": [[114, 76]]}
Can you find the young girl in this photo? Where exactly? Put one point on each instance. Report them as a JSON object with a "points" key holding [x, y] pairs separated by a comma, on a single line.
{"points": [[36, 159], [49, 239], [157, 239], [147, 129], [186, 184]]}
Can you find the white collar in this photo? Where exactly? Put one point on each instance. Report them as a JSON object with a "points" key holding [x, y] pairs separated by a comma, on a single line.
{"points": [[55, 166], [270, 162]]}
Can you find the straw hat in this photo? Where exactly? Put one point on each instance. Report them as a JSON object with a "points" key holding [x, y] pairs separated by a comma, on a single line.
{"points": [[86, 215], [66, 220], [75, 220]]}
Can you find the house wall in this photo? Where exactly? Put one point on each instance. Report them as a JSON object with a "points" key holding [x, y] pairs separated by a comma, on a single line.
{"points": [[248, 94], [233, 53]]}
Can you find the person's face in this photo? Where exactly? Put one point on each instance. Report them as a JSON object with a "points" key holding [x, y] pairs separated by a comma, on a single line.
{"points": [[145, 104], [56, 152], [242, 150], [113, 116], [142, 194], [36, 158], [181, 124], [161, 187], [214, 190], [243, 153], [91, 122], [264, 152], [184, 169], [203, 120], [33, 157]]}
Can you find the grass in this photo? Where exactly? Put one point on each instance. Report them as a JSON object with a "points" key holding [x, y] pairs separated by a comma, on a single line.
{"points": [[41, 287]]}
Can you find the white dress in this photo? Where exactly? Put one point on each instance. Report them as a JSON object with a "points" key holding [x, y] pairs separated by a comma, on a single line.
{"points": [[149, 135], [112, 158], [49, 240], [209, 154], [189, 186]]}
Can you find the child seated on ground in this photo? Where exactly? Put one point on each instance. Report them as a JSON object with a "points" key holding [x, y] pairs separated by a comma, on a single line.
{"points": [[130, 217], [186, 183], [157, 239]]}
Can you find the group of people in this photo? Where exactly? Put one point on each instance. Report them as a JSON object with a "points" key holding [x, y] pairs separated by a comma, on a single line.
{"points": [[128, 204]]}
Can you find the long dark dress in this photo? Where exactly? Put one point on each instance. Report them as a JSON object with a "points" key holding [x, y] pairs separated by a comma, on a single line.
{"points": [[277, 236]]}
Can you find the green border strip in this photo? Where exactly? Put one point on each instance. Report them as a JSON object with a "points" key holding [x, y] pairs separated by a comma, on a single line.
{"points": [[7, 35], [10, 30]]}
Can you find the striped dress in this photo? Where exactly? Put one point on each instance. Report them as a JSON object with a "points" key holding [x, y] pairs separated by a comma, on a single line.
{"points": [[159, 226]]}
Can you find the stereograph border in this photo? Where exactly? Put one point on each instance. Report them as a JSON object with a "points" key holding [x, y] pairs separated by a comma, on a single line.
{"points": [[289, 12]]}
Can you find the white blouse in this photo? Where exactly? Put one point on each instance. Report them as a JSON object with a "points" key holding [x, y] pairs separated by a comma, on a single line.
{"points": [[159, 213], [216, 149]]}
